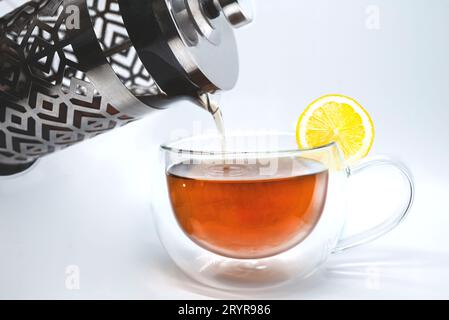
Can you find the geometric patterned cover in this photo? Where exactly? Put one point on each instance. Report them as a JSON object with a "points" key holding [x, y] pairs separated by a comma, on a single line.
{"points": [[49, 97]]}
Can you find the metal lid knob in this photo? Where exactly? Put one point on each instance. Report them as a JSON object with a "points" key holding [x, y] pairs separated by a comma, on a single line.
{"points": [[238, 12]]}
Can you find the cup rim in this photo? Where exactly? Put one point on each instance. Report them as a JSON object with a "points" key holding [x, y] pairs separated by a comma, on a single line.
{"points": [[170, 146]]}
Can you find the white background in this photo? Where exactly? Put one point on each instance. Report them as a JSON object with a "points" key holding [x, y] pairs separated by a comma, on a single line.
{"points": [[89, 206]]}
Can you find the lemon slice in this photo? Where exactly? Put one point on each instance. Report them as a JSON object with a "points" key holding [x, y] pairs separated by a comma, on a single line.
{"points": [[340, 119]]}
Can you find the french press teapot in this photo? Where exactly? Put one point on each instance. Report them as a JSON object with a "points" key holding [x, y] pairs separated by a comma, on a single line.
{"points": [[73, 69]]}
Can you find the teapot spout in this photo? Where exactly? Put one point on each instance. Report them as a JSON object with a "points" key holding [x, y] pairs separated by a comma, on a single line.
{"points": [[208, 102]]}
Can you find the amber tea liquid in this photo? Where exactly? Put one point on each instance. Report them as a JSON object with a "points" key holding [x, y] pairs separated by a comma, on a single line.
{"points": [[235, 211]]}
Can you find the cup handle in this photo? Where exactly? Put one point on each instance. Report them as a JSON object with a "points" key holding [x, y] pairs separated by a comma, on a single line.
{"points": [[395, 219]]}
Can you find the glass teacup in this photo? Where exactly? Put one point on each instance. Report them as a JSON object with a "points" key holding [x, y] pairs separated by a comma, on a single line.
{"points": [[261, 212]]}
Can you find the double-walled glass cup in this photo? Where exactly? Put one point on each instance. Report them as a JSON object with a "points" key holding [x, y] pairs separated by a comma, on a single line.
{"points": [[259, 212]]}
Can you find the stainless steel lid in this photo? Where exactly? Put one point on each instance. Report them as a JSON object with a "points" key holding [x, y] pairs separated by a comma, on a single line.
{"points": [[188, 46]]}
